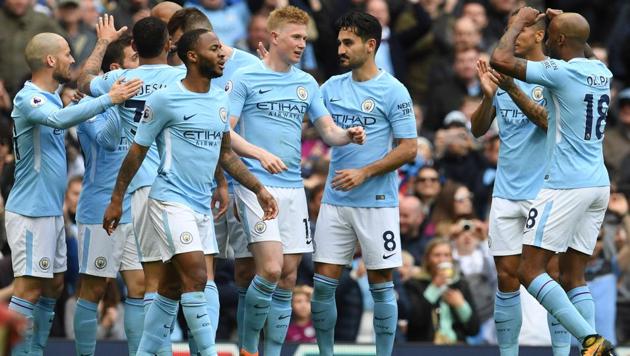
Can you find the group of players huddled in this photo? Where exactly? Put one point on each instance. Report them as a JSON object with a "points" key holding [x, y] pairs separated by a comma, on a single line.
{"points": [[193, 148]]}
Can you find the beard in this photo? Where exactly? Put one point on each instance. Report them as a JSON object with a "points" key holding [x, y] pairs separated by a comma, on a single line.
{"points": [[61, 77], [208, 70]]}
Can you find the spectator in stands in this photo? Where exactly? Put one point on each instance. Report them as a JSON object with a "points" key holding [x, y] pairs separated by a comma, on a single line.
{"points": [[617, 138], [90, 11], [498, 14], [449, 93], [301, 327], [256, 33], [229, 19], [19, 24], [441, 305], [411, 218], [80, 37], [128, 12], [466, 34], [453, 203], [476, 11]]}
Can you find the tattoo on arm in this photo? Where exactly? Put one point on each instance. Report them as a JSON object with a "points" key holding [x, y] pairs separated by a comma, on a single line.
{"points": [[503, 58], [128, 170], [534, 112], [92, 66], [235, 167]]}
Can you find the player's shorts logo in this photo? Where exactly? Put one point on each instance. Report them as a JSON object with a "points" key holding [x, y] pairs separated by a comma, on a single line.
{"points": [[368, 105], [44, 263], [37, 101], [223, 114], [260, 227], [100, 262], [537, 93], [186, 237], [302, 93], [147, 115], [228, 86]]}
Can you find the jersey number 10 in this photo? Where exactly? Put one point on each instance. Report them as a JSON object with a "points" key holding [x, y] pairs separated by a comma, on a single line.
{"points": [[601, 115]]}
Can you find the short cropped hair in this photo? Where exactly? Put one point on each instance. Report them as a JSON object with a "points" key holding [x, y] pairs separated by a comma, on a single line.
{"points": [[188, 19], [362, 24], [150, 37], [115, 52], [284, 15], [188, 42]]}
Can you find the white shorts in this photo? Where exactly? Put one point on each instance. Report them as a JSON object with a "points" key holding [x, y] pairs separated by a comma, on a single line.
{"points": [[507, 220], [230, 234], [38, 245], [377, 229], [291, 226], [146, 235], [180, 229], [559, 219], [102, 255]]}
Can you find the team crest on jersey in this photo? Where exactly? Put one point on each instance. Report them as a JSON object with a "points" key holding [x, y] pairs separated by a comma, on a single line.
{"points": [[260, 227], [44, 263], [37, 101], [368, 105], [223, 114], [537, 93], [302, 93], [147, 115], [100, 262], [228, 86], [186, 237]]}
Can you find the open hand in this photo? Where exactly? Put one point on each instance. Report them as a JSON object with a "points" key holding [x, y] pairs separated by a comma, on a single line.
{"points": [[122, 91], [347, 179], [105, 29], [270, 162]]}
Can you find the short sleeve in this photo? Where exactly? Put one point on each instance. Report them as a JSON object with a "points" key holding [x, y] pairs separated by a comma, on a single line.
{"points": [[237, 91], [316, 108], [103, 83], [154, 118], [550, 73], [401, 116], [35, 106]]}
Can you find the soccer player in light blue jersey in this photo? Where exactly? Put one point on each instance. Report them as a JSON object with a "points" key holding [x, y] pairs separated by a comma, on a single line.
{"points": [[567, 213], [360, 200], [100, 256], [268, 102], [34, 221], [188, 120], [521, 112], [150, 40]]}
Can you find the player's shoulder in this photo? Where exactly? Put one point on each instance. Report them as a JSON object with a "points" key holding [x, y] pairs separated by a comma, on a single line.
{"points": [[387, 80], [337, 79], [244, 57], [30, 97], [248, 71]]}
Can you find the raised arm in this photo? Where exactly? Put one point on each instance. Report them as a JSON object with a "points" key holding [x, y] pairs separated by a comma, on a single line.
{"points": [[106, 34], [503, 58], [482, 118], [334, 135], [128, 170]]}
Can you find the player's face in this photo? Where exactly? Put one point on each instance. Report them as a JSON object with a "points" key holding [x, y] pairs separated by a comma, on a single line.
{"points": [[351, 49], [290, 39], [211, 57], [552, 41], [64, 60], [130, 58], [527, 39]]}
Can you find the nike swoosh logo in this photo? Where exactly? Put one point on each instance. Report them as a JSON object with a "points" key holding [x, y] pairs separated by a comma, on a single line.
{"points": [[201, 316], [501, 321], [281, 317], [318, 312], [334, 100], [377, 318], [189, 117], [501, 93], [263, 91], [261, 306], [388, 256], [167, 327], [555, 324]]}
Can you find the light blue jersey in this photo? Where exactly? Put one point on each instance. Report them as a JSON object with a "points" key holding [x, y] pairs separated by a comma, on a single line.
{"points": [[522, 151], [38, 146], [580, 95], [238, 59], [188, 128], [154, 77], [101, 169], [271, 106], [229, 22], [382, 106]]}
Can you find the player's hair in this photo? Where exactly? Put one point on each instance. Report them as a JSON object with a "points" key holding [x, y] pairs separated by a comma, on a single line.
{"points": [[362, 24], [188, 19], [115, 52], [284, 15], [150, 36], [539, 25], [188, 42]]}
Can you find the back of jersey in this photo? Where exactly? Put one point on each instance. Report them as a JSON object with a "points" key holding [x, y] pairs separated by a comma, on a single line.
{"points": [[580, 95], [154, 77]]}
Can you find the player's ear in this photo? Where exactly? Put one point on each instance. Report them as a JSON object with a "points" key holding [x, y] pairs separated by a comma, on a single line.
{"points": [[50, 60], [371, 43], [167, 45], [114, 66], [540, 36], [192, 56]]}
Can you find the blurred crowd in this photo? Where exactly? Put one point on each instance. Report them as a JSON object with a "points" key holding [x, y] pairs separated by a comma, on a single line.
{"points": [[432, 46]]}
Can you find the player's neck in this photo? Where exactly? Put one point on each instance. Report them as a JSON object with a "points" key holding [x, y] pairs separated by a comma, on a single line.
{"points": [[274, 62], [535, 56], [161, 59], [196, 83], [569, 54], [366, 72], [45, 81]]}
